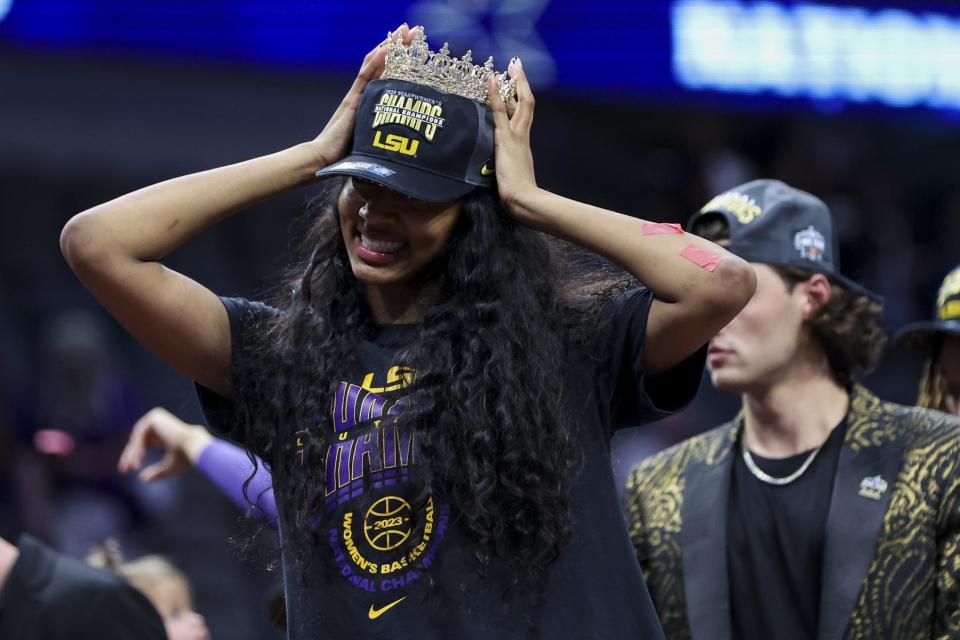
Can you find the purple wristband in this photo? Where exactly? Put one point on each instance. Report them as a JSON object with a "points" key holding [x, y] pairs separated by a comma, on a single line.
{"points": [[228, 466]]}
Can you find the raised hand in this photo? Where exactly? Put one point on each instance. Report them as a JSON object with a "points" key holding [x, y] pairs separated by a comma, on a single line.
{"points": [[182, 444], [334, 141], [514, 159]]}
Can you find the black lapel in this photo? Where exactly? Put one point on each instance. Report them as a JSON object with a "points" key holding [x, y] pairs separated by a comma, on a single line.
{"points": [[703, 539], [864, 482]]}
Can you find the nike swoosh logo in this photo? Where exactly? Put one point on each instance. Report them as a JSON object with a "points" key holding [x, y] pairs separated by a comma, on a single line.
{"points": [[485, 170], [375, 613]]}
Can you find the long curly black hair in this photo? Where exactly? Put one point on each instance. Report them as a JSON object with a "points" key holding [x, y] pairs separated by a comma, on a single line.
{"points": [[487, 403]]}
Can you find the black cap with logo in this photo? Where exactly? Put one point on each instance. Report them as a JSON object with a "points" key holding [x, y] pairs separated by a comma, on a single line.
{"points": [[424, 143], [946, 317], [773, 223]]}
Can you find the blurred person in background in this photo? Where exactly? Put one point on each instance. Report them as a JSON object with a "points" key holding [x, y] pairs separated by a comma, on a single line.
{"points": [[46, 596], [940, 340], [246, 483], [163, 585], [461, 486], [819, 511], [13, 377], [72, 425], [184, 445]]}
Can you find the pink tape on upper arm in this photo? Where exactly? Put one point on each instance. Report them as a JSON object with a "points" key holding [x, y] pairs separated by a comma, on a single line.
{"points": [[701, 257], [658, 228]]}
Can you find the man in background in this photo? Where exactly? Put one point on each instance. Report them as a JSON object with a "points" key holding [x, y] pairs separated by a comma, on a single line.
{"points": [[819, 511]]}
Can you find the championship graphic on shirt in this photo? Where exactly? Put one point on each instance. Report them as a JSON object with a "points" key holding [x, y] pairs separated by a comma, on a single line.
{"points": [[381, 540]]}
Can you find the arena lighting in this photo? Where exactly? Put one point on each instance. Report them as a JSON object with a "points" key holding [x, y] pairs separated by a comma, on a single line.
{"points": [[5, 6], [891, 56]]}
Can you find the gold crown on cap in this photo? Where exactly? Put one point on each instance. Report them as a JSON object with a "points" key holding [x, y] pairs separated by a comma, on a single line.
{"points": [[416, 63]]}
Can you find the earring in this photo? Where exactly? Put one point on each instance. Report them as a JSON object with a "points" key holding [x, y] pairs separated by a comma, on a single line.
{"points": [[363, 213]]}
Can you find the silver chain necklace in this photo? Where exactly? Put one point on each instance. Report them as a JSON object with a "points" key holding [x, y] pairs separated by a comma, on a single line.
{"points": [[762, 476]]}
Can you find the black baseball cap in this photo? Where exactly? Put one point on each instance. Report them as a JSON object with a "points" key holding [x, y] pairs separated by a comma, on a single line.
{"points": [[425, 143], [946, 317], [773, 223]]}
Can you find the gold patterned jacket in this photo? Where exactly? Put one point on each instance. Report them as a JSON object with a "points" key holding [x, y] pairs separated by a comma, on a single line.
{"points": [[892, 542]]}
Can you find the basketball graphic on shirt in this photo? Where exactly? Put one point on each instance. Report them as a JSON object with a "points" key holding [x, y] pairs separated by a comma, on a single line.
{"points": [[388, 523]]}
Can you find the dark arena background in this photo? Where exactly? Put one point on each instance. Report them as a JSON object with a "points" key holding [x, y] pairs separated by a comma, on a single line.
{"points": [[646, 107]]}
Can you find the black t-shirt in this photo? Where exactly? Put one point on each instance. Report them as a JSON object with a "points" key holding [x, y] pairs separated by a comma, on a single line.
{"points": [[51, 597], [384, 544], [775, 540]]}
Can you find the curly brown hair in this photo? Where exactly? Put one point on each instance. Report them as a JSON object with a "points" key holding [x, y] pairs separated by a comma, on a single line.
{"points": [[849, 327]]}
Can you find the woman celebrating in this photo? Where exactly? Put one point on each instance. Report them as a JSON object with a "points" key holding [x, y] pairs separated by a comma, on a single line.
{"points": [[435, 409]]}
